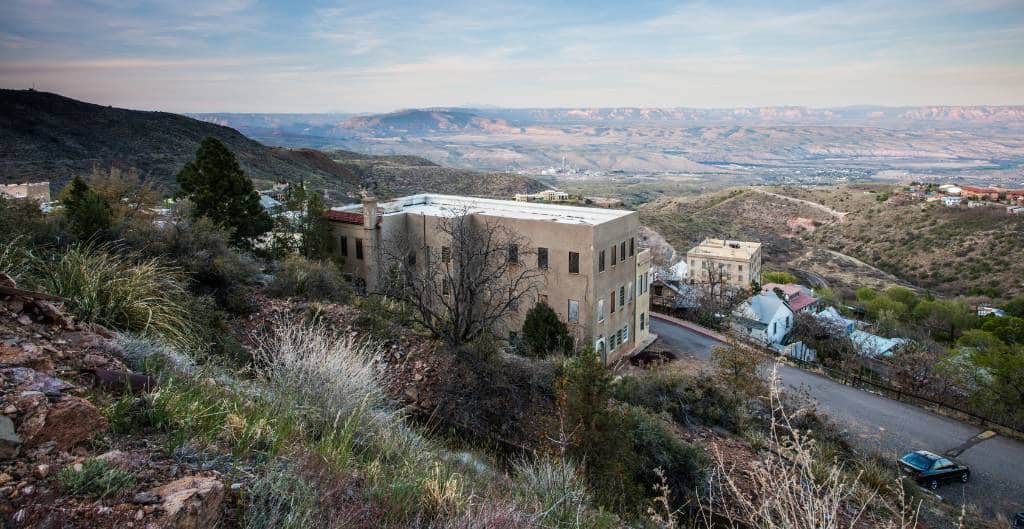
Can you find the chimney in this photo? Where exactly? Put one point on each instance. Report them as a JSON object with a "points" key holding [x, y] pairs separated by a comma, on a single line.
{"points": [[369, 211]]}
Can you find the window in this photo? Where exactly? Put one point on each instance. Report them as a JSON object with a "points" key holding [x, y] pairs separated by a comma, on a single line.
{"points": [[542, 258], [343, 242], [574, 263], [359, 249], [622, 251], [600, 262], [625, 333], [611, 300], [642, 316], [574, 311], [657, 290], [513, 336], [600, 310], [741, 268], [775, 326], [513, 254], [446, 286], [446, 254], [632, 246], [622, 295], [612, 341], [629, 292], [615, 254], [620, 337]]}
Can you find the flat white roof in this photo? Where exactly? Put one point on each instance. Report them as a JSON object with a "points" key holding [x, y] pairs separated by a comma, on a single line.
{"points": [[726, 248], [451, 205]]}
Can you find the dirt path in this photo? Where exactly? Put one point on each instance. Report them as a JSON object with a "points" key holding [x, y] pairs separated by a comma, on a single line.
{"points": [[835, 213]]}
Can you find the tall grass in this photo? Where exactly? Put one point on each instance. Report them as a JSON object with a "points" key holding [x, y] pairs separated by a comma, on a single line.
{"points": [[15, 258], [103, 284]]}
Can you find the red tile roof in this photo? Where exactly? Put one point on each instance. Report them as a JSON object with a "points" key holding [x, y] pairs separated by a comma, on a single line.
{"points": [[796, 297], [973, 189], [344, 216]]}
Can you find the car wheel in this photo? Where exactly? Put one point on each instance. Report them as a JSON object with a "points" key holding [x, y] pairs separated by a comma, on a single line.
{"points": [[934, 485], [965, 476]]}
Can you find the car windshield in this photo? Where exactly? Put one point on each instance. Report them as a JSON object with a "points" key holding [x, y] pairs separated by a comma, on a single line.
{"points": [[918, 461]]}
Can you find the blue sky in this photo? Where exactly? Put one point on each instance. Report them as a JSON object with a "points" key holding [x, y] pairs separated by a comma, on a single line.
{"points": [[255, 56]]}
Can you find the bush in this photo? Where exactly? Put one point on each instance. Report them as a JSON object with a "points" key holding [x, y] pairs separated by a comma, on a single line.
{"points": [[658, 447], [313, 280], [544, 333], [101, 284], [784, 278], [97, 479], [685, 398]]}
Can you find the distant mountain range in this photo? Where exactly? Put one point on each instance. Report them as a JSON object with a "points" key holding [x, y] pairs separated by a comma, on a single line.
{"points": [[48, 137]]}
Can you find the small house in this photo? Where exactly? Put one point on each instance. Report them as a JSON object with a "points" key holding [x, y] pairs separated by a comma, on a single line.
{"points": [[951, 201], [764, 318], [799, 297], [874, 346]]}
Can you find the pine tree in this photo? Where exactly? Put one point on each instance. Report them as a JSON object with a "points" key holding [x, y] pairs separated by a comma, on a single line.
{"points": [[220, 191], [544, 333], [316, 232], [85, 210]]}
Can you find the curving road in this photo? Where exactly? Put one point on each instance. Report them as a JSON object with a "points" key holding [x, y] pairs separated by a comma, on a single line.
{"points": [[878, 423]]}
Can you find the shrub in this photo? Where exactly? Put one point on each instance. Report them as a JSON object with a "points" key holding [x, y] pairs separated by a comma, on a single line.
{"points": [[86, 212], [313, 280], [544, 332], [685, 398], [778, 277], [97, 479], [101, 285], [659, 448], [738, 368]]}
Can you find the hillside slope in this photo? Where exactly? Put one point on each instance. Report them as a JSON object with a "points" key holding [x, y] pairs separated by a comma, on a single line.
{"points": [[848, 238], [48, 137]]}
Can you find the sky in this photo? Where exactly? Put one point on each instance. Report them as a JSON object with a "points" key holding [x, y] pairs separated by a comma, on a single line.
{"points": [[373, 56]]}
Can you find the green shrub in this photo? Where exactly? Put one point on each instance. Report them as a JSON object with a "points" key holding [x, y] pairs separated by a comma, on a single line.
{"points": [[685, 398], [658, 447], [544, 333], [97, 479], [313, 280], [784, 278], [101, 284]]}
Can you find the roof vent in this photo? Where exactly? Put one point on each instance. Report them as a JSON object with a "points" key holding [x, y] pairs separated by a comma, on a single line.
{"points": [[733, 244]]}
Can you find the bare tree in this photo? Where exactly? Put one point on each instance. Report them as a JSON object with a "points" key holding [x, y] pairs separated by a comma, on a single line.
{"points": [[477, 274]]}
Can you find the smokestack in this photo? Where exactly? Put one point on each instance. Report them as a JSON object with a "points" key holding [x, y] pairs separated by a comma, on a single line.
{"points": [[369, 211]]}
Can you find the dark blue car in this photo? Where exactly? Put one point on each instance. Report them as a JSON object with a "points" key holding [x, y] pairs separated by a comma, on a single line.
{"points": [[930, 470]]}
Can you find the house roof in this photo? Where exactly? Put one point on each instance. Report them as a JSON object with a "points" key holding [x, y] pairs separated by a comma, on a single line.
{"points": [[797, 296], [347, 217], [873, 345], [973, 189], [269, 202], [761, 308], [831, 314]]}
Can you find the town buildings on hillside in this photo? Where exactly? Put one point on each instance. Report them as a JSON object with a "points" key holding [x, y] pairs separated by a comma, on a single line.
{"points": [[595, 277], [548, 195], [29, 190], [732, 263]]}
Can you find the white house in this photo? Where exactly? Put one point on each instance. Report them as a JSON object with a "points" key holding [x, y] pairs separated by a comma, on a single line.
{"points": [[764, 318], [951, 201]]}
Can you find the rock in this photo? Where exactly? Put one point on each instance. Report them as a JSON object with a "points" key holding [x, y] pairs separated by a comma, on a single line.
{"points": [[9, 440], [10, 409], [28, 379], [27, 356], [94, 360], [145, 498], [69, 422], [24, 319], [118, 381], [15, 305], [5, 478], [191, 503], [117, 458], [42, 471], [55, 314]]}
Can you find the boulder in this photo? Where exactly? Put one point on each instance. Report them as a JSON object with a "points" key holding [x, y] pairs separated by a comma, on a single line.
{"points": [[68, 422], [9, 440], [191, 503]]}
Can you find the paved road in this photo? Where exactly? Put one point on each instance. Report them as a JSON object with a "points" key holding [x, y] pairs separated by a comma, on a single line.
{"points": [[876, 422]]}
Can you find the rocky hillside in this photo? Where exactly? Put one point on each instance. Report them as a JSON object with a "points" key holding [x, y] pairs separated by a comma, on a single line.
{"points": [[421, 122], [47, 137]]}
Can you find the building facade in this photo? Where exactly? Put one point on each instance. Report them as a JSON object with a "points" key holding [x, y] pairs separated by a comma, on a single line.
{"points": [[738, 263], [594, 275], [31, 190]]}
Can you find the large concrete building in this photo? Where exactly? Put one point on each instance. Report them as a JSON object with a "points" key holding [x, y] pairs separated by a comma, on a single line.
{"points": [[593, 273], [31, 190], [737, 262]]}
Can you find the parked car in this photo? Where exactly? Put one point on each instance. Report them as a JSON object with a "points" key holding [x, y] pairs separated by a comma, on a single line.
{"points": [[1018, 521], [930, 469]]}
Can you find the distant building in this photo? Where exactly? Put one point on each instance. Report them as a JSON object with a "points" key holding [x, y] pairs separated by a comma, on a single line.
{"points": [[1015, 196], [981, 193], [831, 317], [1015, 210], [951, 201], [548, 195], [270, 204], [764, 318], [30, 190], [990, 311], [799, 297], [738, 262], [874, 346]]}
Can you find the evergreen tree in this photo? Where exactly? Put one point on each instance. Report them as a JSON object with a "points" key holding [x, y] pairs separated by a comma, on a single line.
{"points": [[316, 232], [85, 210], [544, 333], [220, 191]]}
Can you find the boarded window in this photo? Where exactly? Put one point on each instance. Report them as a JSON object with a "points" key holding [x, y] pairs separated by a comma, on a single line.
{"points": [[343, 243], [359, 249], [542, 258], [632, 246], [574, 311], [513, 253], [600, 262], [574, 263]]}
